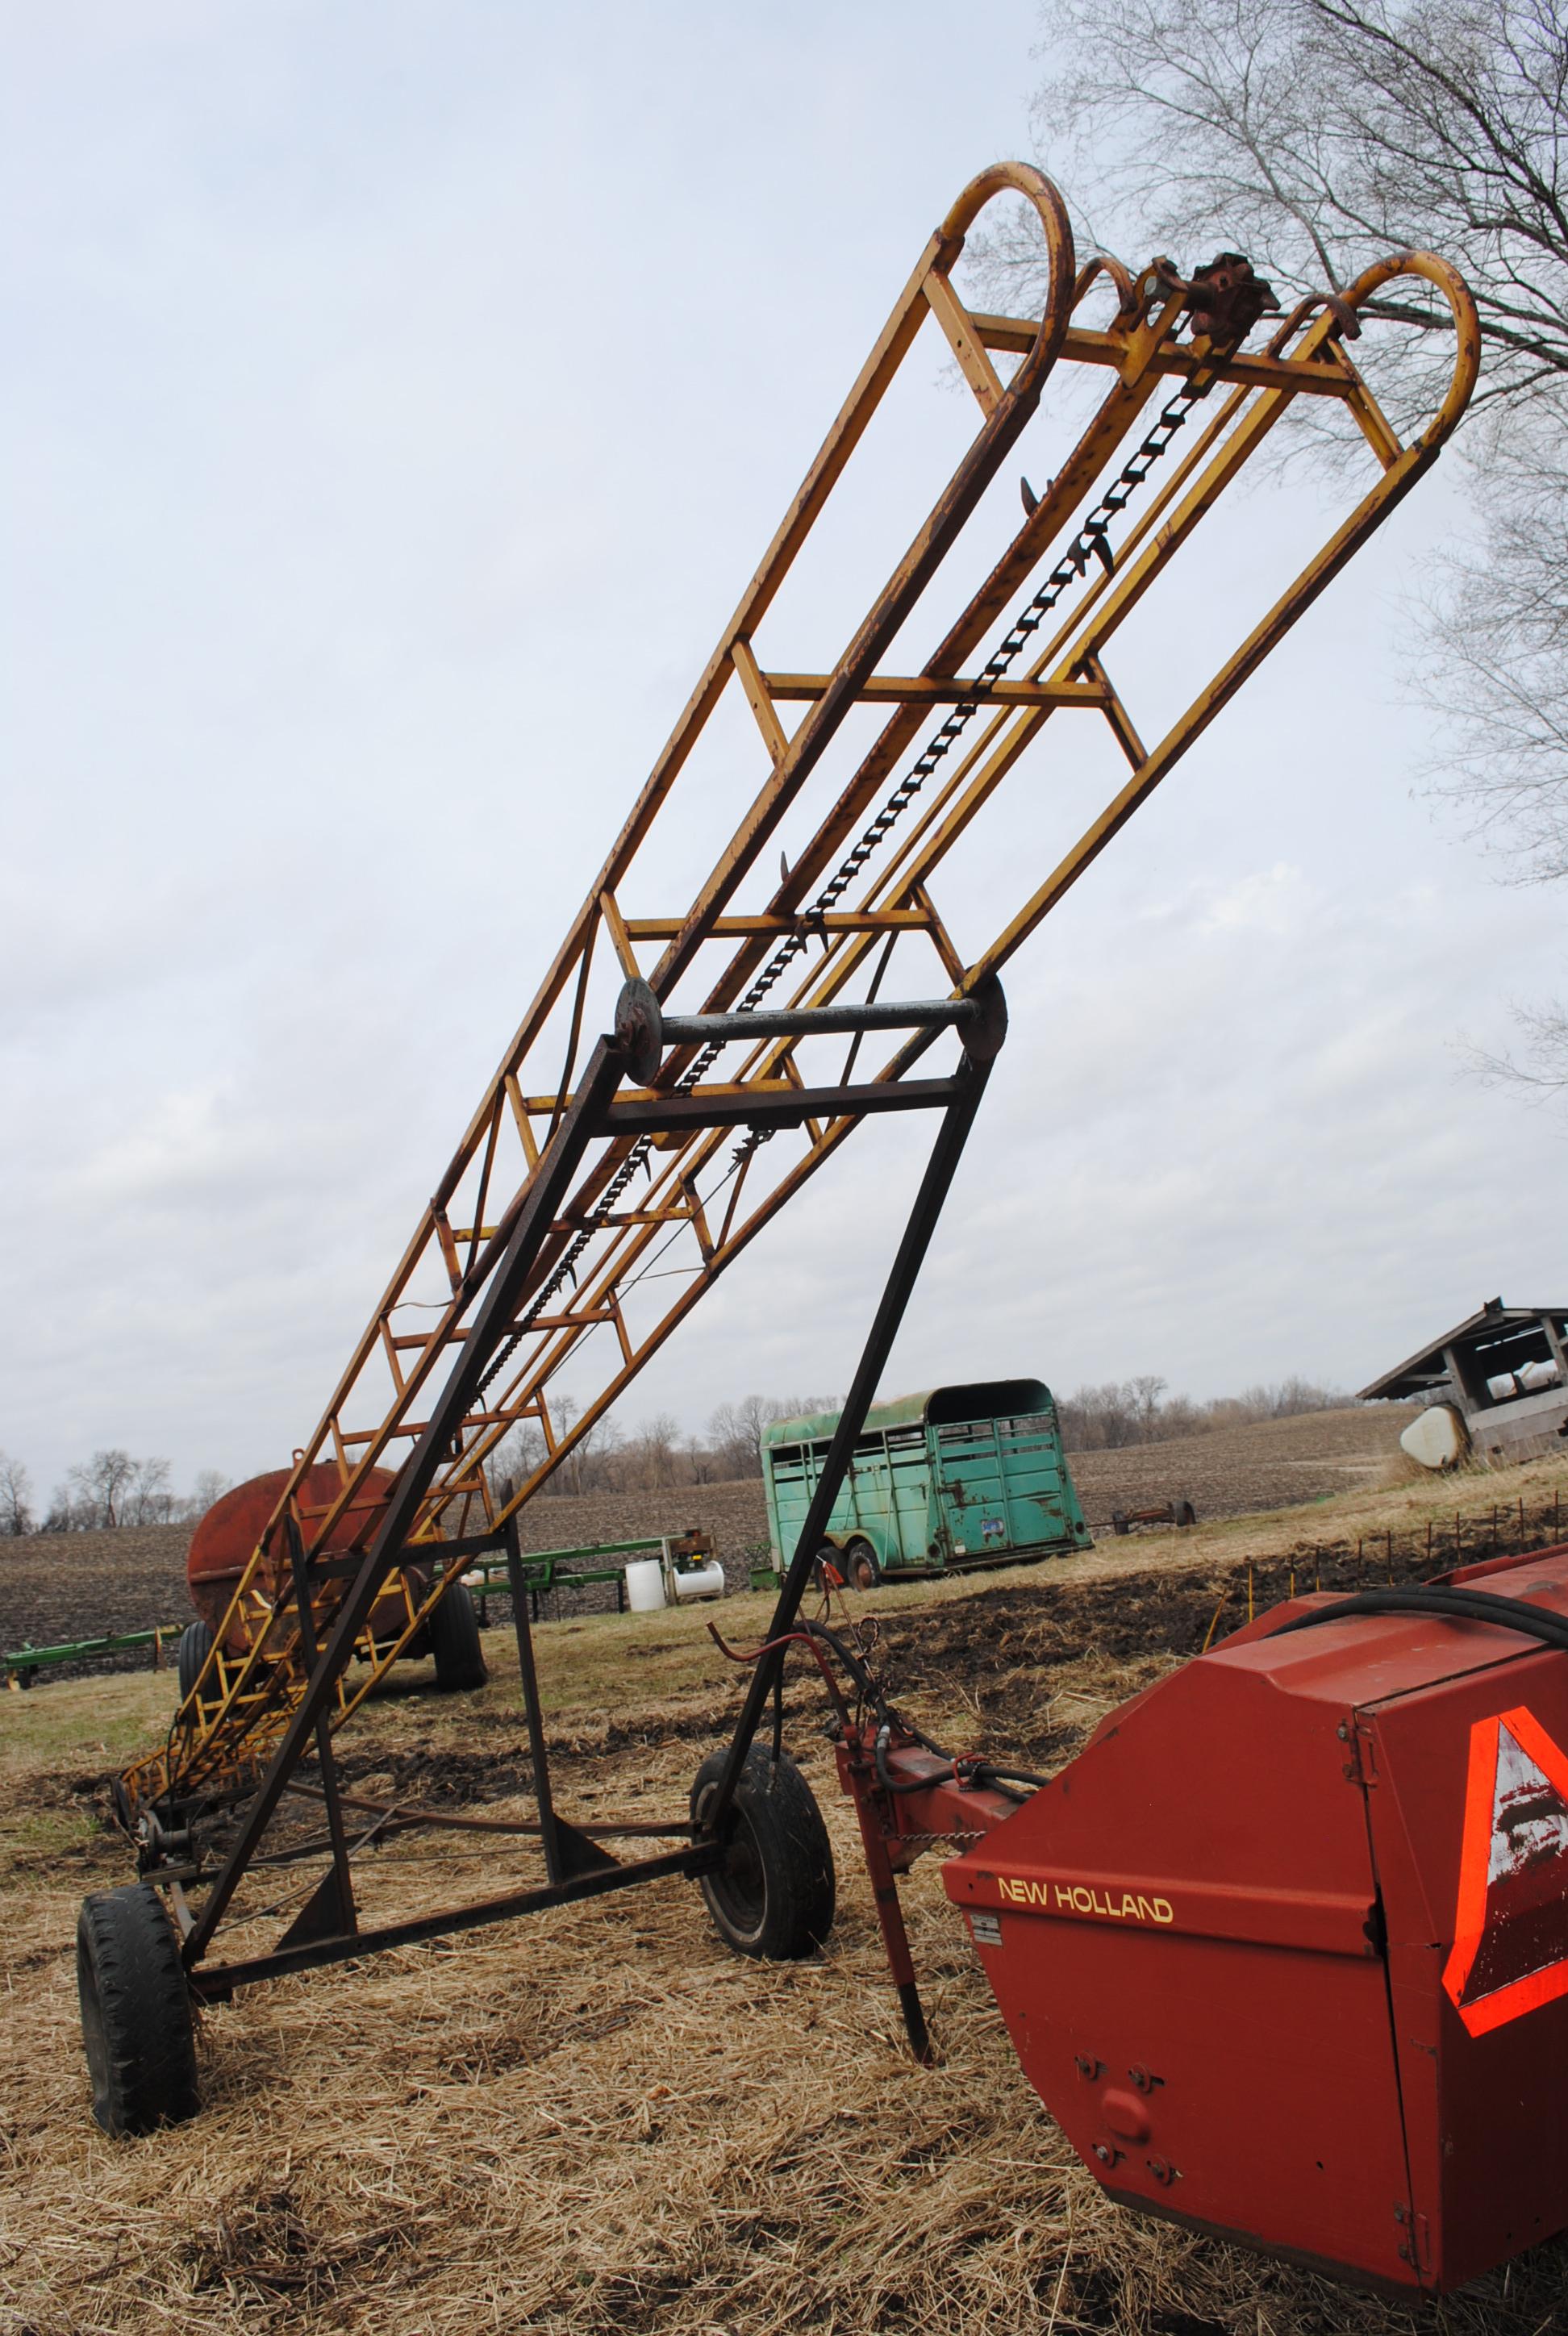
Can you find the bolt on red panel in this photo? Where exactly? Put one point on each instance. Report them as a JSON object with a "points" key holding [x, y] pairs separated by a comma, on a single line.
{"points": [[1285, 1949]]}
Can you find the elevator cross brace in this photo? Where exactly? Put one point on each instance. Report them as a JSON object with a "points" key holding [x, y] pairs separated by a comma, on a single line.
{"points": [[575, 1866]]}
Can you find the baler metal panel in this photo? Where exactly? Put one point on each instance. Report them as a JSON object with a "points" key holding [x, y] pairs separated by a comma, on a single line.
{"points": [[1188, 1965], [1468, 1794], [1285, 1950]]}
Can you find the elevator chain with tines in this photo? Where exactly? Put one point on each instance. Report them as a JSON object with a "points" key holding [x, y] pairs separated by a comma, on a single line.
{"points": [[1226, 298], [1091, 542]]}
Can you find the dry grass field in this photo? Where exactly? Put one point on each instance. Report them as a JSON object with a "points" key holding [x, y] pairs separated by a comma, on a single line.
{"points": [[598, 2119]]}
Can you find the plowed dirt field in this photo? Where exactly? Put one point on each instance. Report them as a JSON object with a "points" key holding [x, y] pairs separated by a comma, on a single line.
{"points": [[82, 1585]]}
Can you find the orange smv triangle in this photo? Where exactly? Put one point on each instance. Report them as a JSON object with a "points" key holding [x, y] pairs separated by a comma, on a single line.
{"points": [[1510, 1951]]}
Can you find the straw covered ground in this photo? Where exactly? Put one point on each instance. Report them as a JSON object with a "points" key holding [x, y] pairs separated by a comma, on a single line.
{"points": [[598, 2119]]}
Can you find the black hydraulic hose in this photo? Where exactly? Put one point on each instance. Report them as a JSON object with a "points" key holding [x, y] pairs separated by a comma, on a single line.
{"points": [[852, 1662], [980, 1772], [1457, 1603]]}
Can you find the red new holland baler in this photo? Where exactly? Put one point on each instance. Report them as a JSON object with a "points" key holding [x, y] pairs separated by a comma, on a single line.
{"points": [[1284, 1950]]}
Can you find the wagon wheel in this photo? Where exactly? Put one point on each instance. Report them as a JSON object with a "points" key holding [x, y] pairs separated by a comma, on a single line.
{"points": [[772, 1896], [454, 1641], [860, 1566], [136, 2019], [195, 1646]]}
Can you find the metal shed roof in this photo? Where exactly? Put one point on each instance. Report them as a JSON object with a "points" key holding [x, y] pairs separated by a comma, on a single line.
{"points": [[1495, 1325]]}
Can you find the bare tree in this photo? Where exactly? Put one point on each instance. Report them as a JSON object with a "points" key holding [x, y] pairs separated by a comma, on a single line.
{"points": [[701, 1464], [1497, 664], [1322, 134], [735, 1432], [115, 1488], [99, 1487], [210, 1485], [1147, 1394], [514, 1459], [736, 1429], [1317, 135], [590, 1465], [653, 1451], [16, 1497], [149, 1498]]}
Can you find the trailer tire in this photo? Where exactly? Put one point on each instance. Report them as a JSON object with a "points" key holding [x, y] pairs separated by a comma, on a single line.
{"points": [[1119, 1523], [861, 1569], [773, 1897], [454, 1641], [195, 1646], [136, 2017]]}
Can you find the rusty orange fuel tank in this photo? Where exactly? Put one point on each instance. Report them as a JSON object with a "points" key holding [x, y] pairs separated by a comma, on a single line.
{"points": [[1285, 1949], [223, 1542]]}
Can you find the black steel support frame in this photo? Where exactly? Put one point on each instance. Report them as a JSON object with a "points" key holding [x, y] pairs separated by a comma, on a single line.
{"points": [[575, 1866], [332, 1909]]}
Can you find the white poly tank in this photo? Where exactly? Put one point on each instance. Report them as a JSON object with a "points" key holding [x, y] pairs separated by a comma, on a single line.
{"points": [[1438, 1438], [644, 1585], [697, 1580]]}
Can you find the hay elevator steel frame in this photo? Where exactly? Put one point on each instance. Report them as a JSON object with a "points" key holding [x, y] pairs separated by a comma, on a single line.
{"points": [[585, 1160]]}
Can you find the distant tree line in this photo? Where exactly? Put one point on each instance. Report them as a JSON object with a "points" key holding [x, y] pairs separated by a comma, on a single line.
{"points": [[1139, 1411], [656, 1455], [112, 1489]]}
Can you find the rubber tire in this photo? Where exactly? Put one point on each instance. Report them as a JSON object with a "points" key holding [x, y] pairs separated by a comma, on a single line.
{"points": [[774, 1896], [195, 1646], [136, 2018], [454, 1641], [860, 1556], [1183, 1513]]}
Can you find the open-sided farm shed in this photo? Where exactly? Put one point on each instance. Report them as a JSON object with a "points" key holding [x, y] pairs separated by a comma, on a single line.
{"points": [[1504, 1372]]}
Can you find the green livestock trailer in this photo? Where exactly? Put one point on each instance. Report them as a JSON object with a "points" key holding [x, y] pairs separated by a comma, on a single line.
{"points": [[941, 1483]]}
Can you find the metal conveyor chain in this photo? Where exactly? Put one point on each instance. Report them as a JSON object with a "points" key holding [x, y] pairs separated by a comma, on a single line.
{"points": [[1089, 543]]}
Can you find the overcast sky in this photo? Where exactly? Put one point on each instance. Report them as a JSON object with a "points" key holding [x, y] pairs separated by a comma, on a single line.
{"points": [[397, 399]]}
